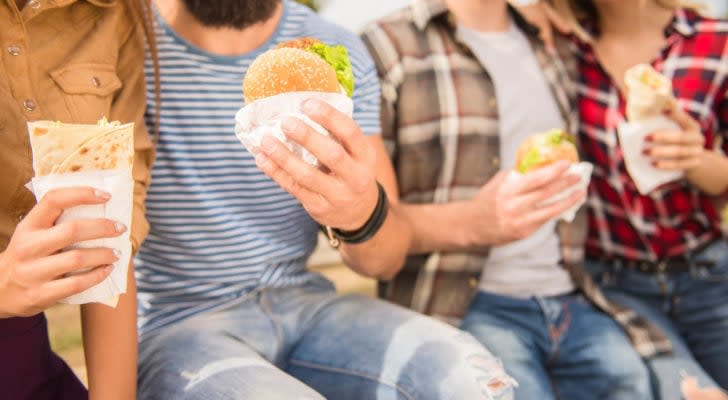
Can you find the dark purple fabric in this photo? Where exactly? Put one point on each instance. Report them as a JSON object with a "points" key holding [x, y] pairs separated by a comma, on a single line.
{"points": [[29, 370]]}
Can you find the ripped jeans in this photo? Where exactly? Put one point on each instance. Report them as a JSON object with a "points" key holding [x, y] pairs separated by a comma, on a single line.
{"points": [[309, 343], [558, 347]]}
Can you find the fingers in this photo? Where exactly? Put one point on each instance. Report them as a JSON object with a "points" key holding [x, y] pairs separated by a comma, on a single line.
{"points": [[340, 125], [683, 119], [290, 172], [326, 150], [546, 213], [532, 199], [69, 232], [673, 152], [682, 138], [58, 265], [50, 207], [535, 180], [58, 289]]}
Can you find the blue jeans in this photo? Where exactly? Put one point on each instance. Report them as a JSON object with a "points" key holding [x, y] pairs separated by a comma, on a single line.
{"points": [[690, 307], [558, 348], [309, 343]]}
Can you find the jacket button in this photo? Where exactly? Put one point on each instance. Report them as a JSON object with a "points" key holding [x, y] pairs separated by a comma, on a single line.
{"points": [[29, 105], [95, 82], [14, 50], [34, 3]]}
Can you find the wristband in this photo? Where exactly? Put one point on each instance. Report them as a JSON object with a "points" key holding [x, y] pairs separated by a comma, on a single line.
{"points": [[368, 230]]}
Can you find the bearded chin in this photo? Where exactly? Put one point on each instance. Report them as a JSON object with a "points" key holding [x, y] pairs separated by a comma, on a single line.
{"points": [[236, 14]]}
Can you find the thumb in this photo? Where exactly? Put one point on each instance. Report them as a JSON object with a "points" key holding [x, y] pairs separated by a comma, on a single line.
{"points": [[685, 120], [689, 386]]}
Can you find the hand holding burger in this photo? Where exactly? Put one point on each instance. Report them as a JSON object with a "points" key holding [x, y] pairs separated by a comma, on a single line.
{"points": [[343, 192]]}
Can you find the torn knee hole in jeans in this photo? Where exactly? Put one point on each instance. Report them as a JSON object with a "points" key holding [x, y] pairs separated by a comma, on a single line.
{"points": [[495, 380]]}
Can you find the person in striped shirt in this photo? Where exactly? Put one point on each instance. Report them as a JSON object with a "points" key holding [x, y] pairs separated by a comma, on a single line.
{"points": [[227, 308]]}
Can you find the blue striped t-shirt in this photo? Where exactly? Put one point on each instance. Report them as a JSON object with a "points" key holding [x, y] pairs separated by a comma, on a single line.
{"points": [[219, 227]]}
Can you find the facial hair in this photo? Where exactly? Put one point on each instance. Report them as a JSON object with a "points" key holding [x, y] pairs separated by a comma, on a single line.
{"points": [[237, 14]]}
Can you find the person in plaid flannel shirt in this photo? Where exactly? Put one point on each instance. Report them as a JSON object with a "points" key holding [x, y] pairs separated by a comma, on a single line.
{"points": [[663, 254], [463, 83]]}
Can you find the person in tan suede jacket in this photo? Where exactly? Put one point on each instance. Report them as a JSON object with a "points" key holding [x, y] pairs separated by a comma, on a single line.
{"points": [[72, 61]]}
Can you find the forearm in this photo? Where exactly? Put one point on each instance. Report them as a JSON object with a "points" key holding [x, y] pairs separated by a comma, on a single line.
{"points": [[710, 176], [110, 343], [383, 255], [441, 227]]}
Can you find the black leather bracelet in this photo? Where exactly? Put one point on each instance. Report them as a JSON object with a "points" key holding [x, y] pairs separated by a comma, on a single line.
{"points": [[369, 229]]}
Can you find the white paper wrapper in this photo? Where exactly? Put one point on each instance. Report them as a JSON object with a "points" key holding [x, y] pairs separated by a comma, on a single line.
{"points": [[263, 117], [639, 166], [584, 171], [120, 184]]}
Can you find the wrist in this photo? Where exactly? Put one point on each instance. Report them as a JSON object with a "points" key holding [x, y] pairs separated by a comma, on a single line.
{"points": [[369, 229]]}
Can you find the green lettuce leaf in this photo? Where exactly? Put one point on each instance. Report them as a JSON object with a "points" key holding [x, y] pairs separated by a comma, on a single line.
{"points": [[534, 155], [337, 57]]}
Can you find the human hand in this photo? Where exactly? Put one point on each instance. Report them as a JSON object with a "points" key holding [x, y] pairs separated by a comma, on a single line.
{"points": [[35, 271], [681, 149], [510, 207], [345, 195], [543, 16], [691, 391]]}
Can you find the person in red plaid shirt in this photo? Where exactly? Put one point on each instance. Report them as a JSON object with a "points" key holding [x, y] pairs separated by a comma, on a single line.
{"points": [[663, 253]]}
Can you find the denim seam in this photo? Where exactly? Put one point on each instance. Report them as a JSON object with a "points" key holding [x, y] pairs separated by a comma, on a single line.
{"points": [[352, 373]]}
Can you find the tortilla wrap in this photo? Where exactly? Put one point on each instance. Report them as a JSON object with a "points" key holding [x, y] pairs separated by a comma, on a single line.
{"points": [[649, 93]]}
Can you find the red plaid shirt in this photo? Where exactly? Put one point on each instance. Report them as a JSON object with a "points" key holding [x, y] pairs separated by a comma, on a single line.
{"points": [[676, 217]]}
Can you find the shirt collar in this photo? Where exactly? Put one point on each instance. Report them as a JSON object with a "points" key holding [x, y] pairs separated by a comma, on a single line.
{"points": [[683, 23], [425, 11]]}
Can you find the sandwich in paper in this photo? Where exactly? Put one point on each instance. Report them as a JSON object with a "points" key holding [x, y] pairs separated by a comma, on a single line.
{"points": [[649, 96], [281, 79], [100, 156]]}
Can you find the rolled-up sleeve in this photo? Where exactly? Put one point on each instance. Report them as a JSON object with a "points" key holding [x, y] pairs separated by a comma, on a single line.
{"points": [[129, 105]]}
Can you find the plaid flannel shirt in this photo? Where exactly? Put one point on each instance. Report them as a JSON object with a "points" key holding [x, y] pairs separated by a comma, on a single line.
{"points": [[677, 217], [440, 125]]}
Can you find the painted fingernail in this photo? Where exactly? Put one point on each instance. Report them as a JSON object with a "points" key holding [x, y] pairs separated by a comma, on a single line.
{"points": [[654, 163], [119, 227], [102, 194], [646, 152], [649, 138], [268, 145], [117, 253]]}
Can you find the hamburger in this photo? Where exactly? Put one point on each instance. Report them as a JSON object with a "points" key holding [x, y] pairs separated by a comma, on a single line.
{"points": [[300, 65], [545, 148]]}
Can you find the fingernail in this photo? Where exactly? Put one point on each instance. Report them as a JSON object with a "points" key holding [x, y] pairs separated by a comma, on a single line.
{"points": [[107, 269], [119, 227], [102, 194], [117, 253], [654, 163], [291, 125], [310, 106], [646, 152], [261, 161], [268, 144], [649, 138]]}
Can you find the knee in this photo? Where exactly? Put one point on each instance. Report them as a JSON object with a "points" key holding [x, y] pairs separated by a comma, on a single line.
{"points": [[474, 373]]}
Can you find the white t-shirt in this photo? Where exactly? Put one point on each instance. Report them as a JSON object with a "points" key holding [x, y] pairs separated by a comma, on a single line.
{"points": [[528, 267]]}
